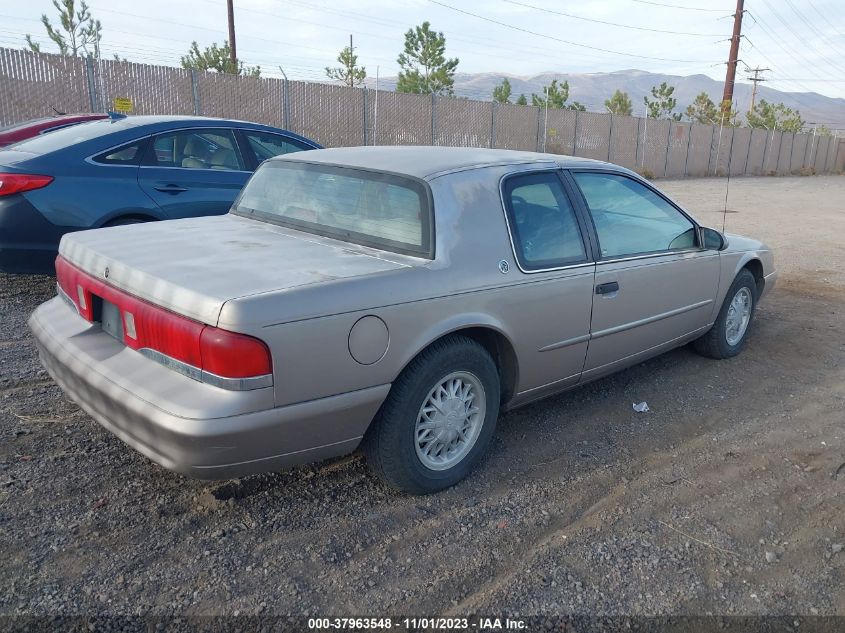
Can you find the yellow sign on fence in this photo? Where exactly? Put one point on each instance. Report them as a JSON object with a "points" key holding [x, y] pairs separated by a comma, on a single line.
{"points": [[122, 104]]}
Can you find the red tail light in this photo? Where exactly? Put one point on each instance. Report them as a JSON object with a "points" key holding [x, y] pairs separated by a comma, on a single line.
{"points": [[226, 359], [18, 183]]}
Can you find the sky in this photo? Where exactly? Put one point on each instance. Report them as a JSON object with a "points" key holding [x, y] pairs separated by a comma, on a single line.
{"points": [[801, 41]]}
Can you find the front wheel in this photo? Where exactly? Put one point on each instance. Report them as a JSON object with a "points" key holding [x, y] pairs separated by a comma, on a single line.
{"points": [[438, 420], [727, 336]]}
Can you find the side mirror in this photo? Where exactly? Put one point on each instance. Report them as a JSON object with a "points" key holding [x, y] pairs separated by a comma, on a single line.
{"points": [[712, 239]]}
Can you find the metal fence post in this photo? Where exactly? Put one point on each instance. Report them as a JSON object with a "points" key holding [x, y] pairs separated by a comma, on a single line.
{"points": [[731, 151], [686, 158], [827, 155], [286, 104], [493, 125], [92, 83], [765, 150], [637, 143], [668, 140], [748, 152], [791, 148], [807, 147], [195, 92], [609, 136], [433, 119], [575, 136], [364, 122], [710, 153]]}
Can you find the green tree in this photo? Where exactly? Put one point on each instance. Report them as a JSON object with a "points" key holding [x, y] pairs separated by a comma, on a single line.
{"points": [[502, 93], [619, 103], [729, 116], [774, 116], [425, 69], [663, 103], [521, 100], [217, 58], [823, 130], [77, 32], [557, 95], [703, 110], [349, 72]]}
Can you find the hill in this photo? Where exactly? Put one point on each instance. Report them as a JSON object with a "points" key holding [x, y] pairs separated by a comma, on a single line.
{"points": [[592, 89]]}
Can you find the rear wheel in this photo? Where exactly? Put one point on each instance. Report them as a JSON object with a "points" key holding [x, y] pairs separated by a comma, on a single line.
{"points": [[727, 336], [125, 221], [438, 420]]}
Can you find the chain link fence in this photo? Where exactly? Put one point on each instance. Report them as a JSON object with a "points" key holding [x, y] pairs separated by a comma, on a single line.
{"points": [[34, 85]]}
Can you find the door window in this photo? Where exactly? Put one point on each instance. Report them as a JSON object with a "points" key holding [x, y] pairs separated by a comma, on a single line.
{"points": [[542, 221], [631, 219], [197, 149], [266, 145]]}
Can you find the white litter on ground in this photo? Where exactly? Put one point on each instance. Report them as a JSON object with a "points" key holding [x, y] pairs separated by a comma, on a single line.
{"points": [[641, 407]]}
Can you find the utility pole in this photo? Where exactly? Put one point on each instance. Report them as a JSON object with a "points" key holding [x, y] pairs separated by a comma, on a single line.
{"points": [[755, 80], [233, 51], [733, 58]]}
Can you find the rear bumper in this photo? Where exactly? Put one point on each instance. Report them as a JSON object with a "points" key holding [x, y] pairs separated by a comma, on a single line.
{"points": [[213, 443], [28, 241]]}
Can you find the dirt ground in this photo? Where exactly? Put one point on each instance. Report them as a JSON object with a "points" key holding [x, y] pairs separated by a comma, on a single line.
{"points": [[728, 497]]}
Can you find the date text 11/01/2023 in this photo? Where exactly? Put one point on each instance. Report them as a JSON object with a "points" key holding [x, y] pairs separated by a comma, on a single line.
{"points": [[415, 624]]}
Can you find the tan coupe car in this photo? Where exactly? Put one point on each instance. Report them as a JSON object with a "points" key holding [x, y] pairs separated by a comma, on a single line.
{"points": [[395, 298]]}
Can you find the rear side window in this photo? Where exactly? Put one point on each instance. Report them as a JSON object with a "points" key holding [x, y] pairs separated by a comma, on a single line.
{"points": [[376, 209], [267, 145], [196, 149], [542, 221], [129, 154]]}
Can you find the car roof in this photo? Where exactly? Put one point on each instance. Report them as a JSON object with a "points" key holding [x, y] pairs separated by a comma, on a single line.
{"points": [[429, 162], [86, 138], [145, 120]]}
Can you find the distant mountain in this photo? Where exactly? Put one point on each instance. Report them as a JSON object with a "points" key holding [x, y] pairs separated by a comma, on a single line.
{"points": [[592, 89]]}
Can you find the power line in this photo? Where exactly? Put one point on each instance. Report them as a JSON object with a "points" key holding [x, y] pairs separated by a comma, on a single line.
{"points": [[803, 41], [783, 44], [814, 28], [557, 39], [823, 17], [675, 6], [494, 44], [623, 26]]}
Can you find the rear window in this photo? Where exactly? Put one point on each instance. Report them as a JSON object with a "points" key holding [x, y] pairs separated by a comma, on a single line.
{"points": [[67, 136], [14, 127], [386, 211]]}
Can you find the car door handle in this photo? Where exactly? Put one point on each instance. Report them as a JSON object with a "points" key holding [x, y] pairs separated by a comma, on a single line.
{"points": [[170, 188], [608, 288]]}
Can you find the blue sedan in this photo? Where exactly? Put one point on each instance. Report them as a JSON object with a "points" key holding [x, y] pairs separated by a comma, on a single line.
{"points": [[121, 171]]}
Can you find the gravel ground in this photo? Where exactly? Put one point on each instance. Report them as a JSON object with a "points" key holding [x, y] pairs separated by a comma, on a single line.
{"points": [[726, 498]]}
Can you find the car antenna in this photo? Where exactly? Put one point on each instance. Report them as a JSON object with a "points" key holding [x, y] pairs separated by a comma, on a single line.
{"points": [[727, 188], [60, 113]]}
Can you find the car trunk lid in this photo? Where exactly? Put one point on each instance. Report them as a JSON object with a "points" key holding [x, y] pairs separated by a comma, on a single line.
{"points": [[193, 266]]}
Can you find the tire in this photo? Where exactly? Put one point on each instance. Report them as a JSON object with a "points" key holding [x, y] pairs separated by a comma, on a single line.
{"points": [[124, 222], [717, 342], [391, 446]]}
